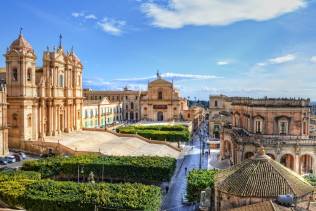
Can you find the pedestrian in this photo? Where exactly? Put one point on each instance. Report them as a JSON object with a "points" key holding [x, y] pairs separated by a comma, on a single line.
{"points": [[167, 189]]}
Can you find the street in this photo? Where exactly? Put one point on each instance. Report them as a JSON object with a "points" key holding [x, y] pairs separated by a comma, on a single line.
{"points": [[191, 160]]}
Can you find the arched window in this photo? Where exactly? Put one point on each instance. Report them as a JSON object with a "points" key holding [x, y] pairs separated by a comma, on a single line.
{"points": [[283, 125], [215, 103], [159, 95], [14, 74], [15, 120], [29, 74], [61, 80], [258, 125]]}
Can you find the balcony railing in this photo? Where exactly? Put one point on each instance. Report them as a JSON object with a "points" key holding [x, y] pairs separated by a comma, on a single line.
{"points": [[243, 136]]}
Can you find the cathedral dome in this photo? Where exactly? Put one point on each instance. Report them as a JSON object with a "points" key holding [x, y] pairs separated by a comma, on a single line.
{"points": [[21, 43], [261, 177]]}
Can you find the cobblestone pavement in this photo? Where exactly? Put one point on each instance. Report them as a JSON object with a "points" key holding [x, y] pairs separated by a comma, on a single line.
{"points": [[191, 160]]}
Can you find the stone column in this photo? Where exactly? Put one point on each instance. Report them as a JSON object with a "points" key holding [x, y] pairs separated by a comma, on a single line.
{"points": [[66, 118], [297, 166], [40, 119], [75, 116], [54, 116], [99, 116], [50, 119]]}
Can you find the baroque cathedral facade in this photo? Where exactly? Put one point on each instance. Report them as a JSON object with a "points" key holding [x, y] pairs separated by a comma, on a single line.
{"points": [[41, 101]]}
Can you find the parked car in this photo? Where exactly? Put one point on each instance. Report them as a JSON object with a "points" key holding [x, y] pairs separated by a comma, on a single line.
{"points": [[23, 155], [17, 157], [3, 161], [10, 159]]}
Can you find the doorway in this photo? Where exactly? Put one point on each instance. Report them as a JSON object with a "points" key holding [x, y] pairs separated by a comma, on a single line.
{"points": [[160, 116]]}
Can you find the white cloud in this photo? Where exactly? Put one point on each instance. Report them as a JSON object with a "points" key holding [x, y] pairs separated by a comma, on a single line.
{"points": [[223, 62], [261, 64], [181, 76], [169, 76], [77, 14], [277, 60], [179, 13], [282, 59], [313, 59], [91, 16], [112, 26]]}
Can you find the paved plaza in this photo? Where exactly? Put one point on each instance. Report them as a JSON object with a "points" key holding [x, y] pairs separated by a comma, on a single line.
{"points": [[110, 144]]}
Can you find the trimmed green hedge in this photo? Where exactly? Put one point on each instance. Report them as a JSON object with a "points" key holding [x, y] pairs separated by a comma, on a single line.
{"points": [[199, 180], [144, 169], [159, 132], [311, 179], [49, 195]]}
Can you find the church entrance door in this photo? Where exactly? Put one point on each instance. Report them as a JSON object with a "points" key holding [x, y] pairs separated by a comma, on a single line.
{"points": [[160, 116]]}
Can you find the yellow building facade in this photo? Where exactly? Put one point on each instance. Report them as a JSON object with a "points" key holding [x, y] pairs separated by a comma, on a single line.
{"points": [[101, 113], [42, 101], [162, 102]]}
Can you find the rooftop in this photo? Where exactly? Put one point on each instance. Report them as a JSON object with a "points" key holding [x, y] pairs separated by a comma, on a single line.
{"points": [[261, 177]]}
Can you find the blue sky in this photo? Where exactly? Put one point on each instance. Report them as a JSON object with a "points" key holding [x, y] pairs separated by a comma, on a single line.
{"points": [[244, 47]]}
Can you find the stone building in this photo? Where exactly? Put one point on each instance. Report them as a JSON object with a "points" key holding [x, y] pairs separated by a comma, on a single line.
{"points": [[129, 99], [101, 113], [258, 179], [280, 125], [42, 101], [194, 114], [4, 150], [162, 102]]}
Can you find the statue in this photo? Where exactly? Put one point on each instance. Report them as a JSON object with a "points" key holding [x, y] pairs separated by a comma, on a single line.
{"points": [[205, 200], [91, 178]]}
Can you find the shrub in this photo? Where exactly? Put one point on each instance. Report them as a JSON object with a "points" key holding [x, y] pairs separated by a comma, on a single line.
{"points": [[19, 175], [144, 169], [199, 180], [311, 179], [158, 132], [49, 195]]}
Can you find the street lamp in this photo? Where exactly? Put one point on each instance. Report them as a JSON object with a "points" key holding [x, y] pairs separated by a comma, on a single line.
{"points": [[82, 171], [200, 138]]}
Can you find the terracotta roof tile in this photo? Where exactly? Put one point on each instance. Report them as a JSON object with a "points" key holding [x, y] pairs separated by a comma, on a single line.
{"points": [[261, 177]]}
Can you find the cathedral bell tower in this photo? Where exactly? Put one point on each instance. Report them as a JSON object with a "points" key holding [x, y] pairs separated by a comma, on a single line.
{"points": [[20, 69], [21, 92]]}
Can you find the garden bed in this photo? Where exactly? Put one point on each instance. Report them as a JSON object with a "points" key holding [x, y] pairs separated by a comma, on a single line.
{"points": [[144, 169], [172, 133], [26, 190]]}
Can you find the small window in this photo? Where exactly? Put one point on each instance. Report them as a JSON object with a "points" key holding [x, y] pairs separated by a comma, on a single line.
{"points": [[160, 95], [283, 127], [15, 120], [29, 74], [258, 126], [15, 74], [215, 103], [304, 128], [61, 80]]}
